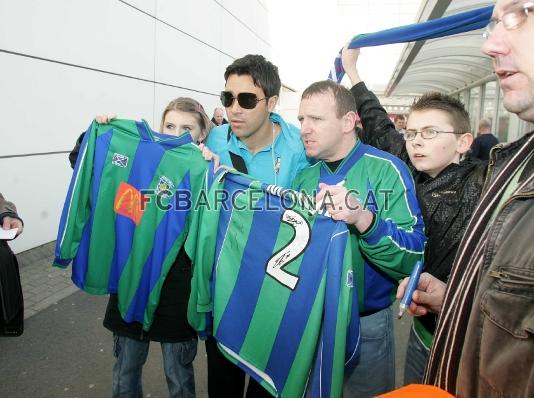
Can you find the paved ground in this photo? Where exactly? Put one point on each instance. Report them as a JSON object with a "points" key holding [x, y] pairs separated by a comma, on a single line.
{"points": [[66, 352]]}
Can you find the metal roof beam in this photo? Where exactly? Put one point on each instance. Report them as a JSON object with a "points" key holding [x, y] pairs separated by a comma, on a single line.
{"points": [[437, 12]]}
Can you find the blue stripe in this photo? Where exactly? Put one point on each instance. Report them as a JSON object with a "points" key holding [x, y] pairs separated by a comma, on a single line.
{"points": [[300, 303], [168, 231], [232, 330], [171, 141], [210, 175], [333, 290], [333, 177], [68, 199], [357, 152], [377, 288], [81, 261], [145, 163]]}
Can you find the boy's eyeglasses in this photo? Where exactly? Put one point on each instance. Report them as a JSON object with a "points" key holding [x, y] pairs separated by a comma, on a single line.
{"points": [[245, 100], [427, 134], [510, 20]]}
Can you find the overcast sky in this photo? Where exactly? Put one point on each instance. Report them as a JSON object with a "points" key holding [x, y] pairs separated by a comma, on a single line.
{"points": [[307, 34]]}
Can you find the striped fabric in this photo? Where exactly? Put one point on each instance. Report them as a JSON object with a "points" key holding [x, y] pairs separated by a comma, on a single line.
{"points": [[443, 365], [278, 279], [123, 221], [446, 26]]}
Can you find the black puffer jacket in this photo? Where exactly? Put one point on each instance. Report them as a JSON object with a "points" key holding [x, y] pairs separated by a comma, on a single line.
{"points": [[447, 201]]}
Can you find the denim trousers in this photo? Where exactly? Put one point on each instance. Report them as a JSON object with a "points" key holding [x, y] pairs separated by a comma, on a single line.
{"points": [[416, 358], [374, 372], [131, 355]]}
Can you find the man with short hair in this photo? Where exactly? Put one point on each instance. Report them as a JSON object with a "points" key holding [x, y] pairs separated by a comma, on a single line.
{"points": [[483, 142], [484, 342], [257, 140], [400, 123], [373, 193], [260, 143], [218, 117]]}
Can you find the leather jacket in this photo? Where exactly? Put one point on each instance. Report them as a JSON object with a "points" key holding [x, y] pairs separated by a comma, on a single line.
{"points": [[497, 357]]}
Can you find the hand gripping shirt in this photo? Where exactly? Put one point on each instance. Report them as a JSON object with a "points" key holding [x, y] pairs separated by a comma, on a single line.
{"points": [[389, 249], [127, 212], [274, 276]]}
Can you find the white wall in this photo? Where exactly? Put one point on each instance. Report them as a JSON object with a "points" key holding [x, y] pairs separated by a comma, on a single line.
{"points": [[64, 61]]}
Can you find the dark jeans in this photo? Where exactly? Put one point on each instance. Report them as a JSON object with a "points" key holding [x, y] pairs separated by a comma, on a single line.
{"points": [[131, 356]]}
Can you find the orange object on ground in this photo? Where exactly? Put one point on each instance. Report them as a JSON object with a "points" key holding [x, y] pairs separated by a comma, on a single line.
{"points": [[417, 391]]}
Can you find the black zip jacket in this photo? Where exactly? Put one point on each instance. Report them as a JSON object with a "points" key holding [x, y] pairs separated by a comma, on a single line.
{"points": [[447, 200]]}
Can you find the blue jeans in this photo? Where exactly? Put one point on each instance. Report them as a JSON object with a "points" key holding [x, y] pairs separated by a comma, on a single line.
{"points": [[131, 356], [416, 357], [374, 373]]}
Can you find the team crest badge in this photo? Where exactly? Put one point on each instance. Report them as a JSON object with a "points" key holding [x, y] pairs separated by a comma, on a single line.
{"points": [[165, 187], [119, 160], [350, 279]]}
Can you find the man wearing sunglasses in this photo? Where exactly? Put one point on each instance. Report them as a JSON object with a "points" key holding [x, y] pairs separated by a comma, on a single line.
{"points": [[257, 140], [260, 143]]}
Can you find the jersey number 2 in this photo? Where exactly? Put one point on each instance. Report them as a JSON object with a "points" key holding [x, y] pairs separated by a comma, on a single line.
{"points": [[280, 259]]}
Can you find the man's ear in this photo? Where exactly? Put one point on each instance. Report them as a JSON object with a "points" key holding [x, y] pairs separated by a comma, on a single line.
{"points": [[349, 121], [271, 103], [464, 143]]}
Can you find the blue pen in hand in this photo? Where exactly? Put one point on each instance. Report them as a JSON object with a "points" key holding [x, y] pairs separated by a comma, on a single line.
{"points": [[412, 285]]}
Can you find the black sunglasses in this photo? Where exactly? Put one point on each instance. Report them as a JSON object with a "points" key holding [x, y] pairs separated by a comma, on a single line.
{"points": [[245, 100]]}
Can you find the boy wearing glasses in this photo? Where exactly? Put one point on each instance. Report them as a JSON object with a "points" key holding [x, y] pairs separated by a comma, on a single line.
{"points": [[437, 135], [256, 141]]}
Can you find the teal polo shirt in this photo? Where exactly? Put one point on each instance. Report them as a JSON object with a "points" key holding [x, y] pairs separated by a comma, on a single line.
{"points": [[279, 164]]}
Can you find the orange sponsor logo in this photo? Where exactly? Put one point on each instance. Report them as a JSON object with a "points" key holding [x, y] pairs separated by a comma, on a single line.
{"points": [[128, 202]]}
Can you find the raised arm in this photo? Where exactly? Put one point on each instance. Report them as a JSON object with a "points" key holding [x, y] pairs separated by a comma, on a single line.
{"points": [[378, 129]]}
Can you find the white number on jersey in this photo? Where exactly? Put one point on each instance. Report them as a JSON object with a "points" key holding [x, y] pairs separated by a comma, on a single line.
{"points": [[279, 260]]}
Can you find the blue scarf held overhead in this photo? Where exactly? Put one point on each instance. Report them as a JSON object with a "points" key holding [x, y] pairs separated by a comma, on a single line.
{"points": [[446, 26]]}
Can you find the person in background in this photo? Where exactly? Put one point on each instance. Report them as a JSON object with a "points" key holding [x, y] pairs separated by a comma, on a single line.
{"points": [[483, 142], [484, 342], [11, 298], [218, 117], [400, 123], [170, 327]]}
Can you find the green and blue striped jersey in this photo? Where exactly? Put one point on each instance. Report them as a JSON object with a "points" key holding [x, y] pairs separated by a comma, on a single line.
{"points": [[273, 276], [127, 212], [389, 249]]}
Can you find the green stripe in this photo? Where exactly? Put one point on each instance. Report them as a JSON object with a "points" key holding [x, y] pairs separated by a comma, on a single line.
{"points": [[296, 381], [231, 253], [102, 241]]}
